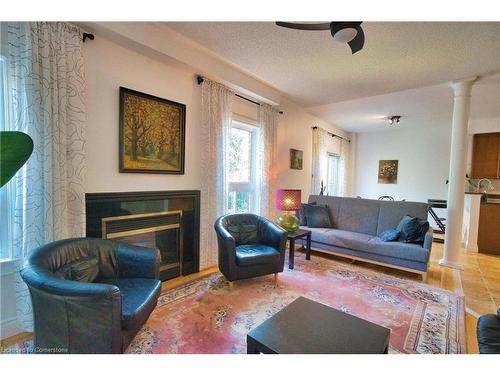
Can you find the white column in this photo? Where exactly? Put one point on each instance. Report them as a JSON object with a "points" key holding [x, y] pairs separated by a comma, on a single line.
{"points": [[458, 168]]}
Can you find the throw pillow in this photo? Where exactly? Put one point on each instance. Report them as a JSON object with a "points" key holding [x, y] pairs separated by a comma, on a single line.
{"points": [[301, 214], [410, 229], [389, 235], [318, 216], [83, 270], [424, 227]]}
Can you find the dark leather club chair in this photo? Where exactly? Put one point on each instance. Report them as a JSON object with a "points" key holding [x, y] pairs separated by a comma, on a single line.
{"points": [[488, 333], [90, 295], [249, 246]]}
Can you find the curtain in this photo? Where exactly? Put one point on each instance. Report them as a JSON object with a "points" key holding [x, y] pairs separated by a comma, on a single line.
{"points": [[46, 100], [266, 180], [216, 104], [321, 138], [345, 151]]}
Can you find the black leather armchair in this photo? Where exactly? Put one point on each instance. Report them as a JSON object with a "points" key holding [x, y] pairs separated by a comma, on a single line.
{"points": [[249, 246], [488, 333], [90, 295]]}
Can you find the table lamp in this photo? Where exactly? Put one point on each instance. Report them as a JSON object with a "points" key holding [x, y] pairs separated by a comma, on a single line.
{"points": [[288, 201]]}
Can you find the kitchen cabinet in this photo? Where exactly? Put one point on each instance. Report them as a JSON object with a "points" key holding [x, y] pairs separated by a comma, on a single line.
{"points": [[488, 239], [486, 156]]}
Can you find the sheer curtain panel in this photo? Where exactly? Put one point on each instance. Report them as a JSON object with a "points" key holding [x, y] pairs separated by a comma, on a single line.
{"points": [[45, 99], [216, 105]]}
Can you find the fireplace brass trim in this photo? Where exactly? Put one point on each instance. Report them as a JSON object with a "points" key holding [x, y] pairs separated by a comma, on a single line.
{"points": [[105, 220], [140, 231], [177, 226], [170, 266]]}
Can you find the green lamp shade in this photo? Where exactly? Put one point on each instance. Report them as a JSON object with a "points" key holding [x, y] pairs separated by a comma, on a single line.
{"points": [[15, 150]]}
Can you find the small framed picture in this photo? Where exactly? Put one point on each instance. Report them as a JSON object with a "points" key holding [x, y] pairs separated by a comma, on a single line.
{"points": [[296, 159], [388, 172]]}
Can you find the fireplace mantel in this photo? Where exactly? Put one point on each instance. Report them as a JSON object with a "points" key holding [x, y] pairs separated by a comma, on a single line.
{"points": [[101, 206]]}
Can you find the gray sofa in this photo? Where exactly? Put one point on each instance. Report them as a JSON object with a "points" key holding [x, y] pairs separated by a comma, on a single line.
{"points": [[357, 222]]}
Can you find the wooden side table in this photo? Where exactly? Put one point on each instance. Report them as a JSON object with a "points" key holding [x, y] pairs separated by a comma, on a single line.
{"points": [[301, 233]]}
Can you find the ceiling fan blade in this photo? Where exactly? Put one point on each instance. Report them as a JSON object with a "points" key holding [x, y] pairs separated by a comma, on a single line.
{"points": [[305, 26], [358, 42]]}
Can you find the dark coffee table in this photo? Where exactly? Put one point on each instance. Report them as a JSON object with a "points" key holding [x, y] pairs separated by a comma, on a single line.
{"points": [[308, 327], [301, 233]]}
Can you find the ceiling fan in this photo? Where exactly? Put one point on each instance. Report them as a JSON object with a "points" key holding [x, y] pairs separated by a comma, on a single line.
{"points": [[343, 32]]}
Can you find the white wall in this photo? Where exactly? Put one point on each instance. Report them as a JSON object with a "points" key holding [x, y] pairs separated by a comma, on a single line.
{"points": [[295, 131], [424, 157], [109, 66]]}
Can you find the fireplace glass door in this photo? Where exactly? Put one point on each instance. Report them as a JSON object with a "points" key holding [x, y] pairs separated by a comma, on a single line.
{"points": [[155, 230]]}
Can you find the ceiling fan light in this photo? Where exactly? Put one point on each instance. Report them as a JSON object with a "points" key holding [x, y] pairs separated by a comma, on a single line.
{"points": [[394, 119], [345, 35]]}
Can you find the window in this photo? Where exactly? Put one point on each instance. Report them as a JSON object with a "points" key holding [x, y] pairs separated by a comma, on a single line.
{"points": [[242, 168], [333, 179]]}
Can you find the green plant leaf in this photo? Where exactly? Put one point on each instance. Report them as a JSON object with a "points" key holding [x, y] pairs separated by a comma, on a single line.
{"points": [[15, 150]]}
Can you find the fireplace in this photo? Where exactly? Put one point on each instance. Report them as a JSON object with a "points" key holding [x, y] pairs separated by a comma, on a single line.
{"points": [[167, 220]]}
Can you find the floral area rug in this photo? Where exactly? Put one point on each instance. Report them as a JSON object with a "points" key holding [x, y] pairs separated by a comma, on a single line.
{"points": [[204, 316]]}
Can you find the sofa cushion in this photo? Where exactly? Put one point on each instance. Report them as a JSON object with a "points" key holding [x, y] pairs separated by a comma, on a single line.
{"points": [[301, 214], [318, 216], [139, 297], [84, 270], [396, 249], [390, 213], [358, 215], [424, 228], [254, 254], [409, 227], [333, 204], [389, 235], [340, 238], [370, 244]]}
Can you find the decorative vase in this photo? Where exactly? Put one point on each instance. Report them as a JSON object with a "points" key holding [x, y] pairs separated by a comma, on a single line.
{"points": [[288, 221]]}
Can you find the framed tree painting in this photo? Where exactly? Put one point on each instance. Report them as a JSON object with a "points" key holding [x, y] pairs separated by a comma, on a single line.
{"points": [[152, 133], [388, 171], [296, 157]]}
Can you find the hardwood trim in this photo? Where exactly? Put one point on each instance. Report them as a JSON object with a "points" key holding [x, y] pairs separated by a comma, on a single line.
{"points": [[173, 283], [12, 340]]}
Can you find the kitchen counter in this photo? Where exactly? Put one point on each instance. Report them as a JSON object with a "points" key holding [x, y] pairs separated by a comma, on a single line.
{"points": [[489, 198]]}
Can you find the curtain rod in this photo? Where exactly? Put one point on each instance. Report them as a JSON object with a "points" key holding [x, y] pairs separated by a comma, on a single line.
{"points": [[200, 80], [87, 35], [334, 135]]}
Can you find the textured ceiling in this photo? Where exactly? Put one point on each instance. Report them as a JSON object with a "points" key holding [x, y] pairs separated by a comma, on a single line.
{"points": [[313, 69], [422, 107]]}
